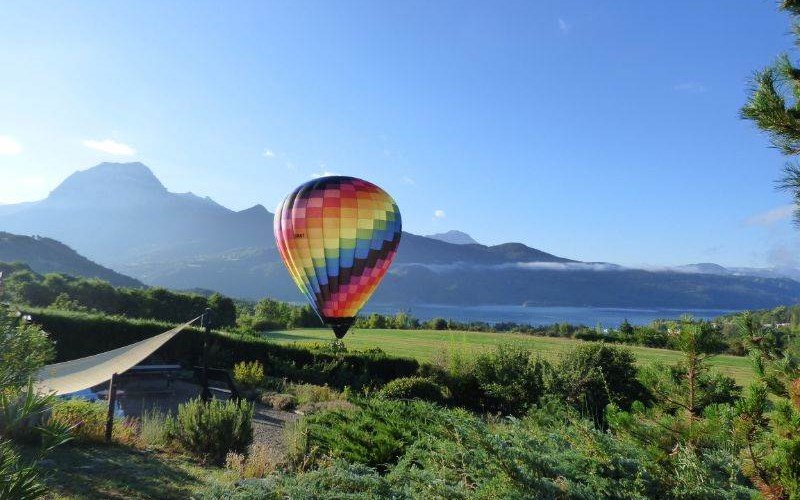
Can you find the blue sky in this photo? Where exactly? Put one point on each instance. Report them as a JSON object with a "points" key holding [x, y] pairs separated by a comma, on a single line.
{"points": [[593, 130]]}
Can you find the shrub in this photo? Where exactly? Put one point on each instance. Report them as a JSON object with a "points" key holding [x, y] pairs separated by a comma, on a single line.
{"points": [[154, 429], [412, 388], [339, 404], [89, 421], [375, 433], [274, 384], [310, 393], [510, 378], [18, 480], [24, 348], [393, 449], [211, 430], [249, 374], [590, 376], [283, 402], [260, 461], [437, 324], [338, 480]]}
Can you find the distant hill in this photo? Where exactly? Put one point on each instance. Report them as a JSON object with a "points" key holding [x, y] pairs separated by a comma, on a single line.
{"points": [[45, 255], [121, 216], [454, 237]]}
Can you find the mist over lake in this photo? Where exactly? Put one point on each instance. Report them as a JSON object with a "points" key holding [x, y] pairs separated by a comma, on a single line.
{"points": [[590, 316]]}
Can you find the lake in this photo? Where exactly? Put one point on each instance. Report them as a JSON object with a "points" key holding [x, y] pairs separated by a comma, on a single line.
{"points": [[590, 316]]}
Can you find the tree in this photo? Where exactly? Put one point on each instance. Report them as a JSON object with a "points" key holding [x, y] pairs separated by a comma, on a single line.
{"points": [[769, 415], [626, 328], [687, 425], [24, 348], [774, 106], [224, 309], [592, 375], [376, 321]]}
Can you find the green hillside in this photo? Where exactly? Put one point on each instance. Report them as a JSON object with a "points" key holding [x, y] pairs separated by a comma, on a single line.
{"points": [[46, 255]]}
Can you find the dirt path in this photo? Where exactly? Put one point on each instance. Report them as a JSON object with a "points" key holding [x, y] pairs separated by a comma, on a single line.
{"points": [[268, 427]]}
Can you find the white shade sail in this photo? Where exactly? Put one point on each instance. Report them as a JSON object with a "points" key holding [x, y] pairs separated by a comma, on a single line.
{"points": [[83, 373]]}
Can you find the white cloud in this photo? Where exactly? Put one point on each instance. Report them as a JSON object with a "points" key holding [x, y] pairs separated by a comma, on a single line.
{"points": [[268, 153], [408, 180], [110, 146], [771, 217], [563, 26], [691, 87], [439, 214], [9, 146]]}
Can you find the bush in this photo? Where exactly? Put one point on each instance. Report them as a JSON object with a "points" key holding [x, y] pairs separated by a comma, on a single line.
{"points": [[283, 402], [339, 480], [89, 421], [511, 379], [412, 388], [437, 324], [590, 376], [24, 348], [154, 429], [18, 480], [260, 461], [376, 433], [211, 430], [310, 393], [249, 374], [393, 449]]}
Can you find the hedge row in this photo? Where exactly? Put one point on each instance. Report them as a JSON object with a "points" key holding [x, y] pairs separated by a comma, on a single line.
{"points": [[77, 335]]}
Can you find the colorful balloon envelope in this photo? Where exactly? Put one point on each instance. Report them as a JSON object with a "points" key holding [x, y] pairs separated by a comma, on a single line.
{"points": [[337, 236]]}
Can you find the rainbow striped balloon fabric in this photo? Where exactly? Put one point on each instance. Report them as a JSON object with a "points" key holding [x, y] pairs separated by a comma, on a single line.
{"points": [[337, 236]]}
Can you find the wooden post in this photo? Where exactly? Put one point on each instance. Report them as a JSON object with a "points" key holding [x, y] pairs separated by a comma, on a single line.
{"points": [[206, 395], [112, 403]]}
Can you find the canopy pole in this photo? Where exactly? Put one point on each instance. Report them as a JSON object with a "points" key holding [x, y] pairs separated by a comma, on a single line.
{"points": [[206, 321], [112, 404]]}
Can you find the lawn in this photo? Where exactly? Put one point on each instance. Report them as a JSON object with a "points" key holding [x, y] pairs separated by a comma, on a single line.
{"points": [[425, 345], [78, 472]]}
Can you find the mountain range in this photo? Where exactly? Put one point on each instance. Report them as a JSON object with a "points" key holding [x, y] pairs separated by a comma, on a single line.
{"points": [[455, 237], [121, 216]]}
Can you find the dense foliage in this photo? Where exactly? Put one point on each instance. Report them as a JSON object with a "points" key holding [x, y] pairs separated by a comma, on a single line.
{"points": [[390, 449], [412, 388], [24, 348], [212, 429], [25, 287]]}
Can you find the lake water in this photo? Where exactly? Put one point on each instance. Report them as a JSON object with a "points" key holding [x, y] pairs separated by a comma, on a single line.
{"points": [[590, 316]]}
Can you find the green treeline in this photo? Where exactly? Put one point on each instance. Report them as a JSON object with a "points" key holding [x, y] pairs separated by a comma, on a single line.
{"points": [[59, 291]]}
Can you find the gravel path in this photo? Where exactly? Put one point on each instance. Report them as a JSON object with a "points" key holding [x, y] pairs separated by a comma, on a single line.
{"points": [[268, 425]]}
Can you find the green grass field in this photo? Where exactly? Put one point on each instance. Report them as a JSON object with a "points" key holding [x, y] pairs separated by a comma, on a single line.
{"points": [[425, 345]]}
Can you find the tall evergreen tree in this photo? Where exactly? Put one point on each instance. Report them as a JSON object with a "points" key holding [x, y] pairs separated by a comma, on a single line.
{"points": [[774, 105]]}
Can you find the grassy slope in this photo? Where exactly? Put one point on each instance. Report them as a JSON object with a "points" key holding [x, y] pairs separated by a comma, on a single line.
{"points": [[89, 472], [425, 345]]}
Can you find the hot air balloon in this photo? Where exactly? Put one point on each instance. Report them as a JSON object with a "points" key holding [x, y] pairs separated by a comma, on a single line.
{"points": [[337, 236]]}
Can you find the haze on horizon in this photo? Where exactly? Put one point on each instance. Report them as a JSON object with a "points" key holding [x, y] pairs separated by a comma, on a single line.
{"points": [[602, 132]]}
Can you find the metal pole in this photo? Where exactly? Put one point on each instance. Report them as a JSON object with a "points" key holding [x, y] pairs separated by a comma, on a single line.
{"points": [[206, 395], [112, 403]]}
